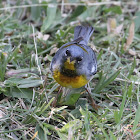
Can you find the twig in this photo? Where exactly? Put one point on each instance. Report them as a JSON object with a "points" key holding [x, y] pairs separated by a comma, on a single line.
{"points": [[129, 81], [36, 56]]}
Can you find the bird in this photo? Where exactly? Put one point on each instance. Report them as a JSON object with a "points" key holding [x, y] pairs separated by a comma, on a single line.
{"points": [[75, 63]]}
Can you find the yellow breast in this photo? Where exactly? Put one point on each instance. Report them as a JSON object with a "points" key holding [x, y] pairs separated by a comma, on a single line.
{"points": [[70, 82]]}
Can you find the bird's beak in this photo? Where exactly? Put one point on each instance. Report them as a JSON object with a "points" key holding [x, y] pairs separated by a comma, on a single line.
{"points": [[69, 64]]}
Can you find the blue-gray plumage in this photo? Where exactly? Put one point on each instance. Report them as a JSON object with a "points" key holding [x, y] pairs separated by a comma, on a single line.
{"points": [[78, 52]]}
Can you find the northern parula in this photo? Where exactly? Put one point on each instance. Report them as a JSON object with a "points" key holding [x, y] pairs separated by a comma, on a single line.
{"points": [[75, 63]]}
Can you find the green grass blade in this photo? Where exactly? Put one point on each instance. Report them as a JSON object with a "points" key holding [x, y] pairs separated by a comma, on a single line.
{"points": [[137, 119], [100, 125], [122, 105]]}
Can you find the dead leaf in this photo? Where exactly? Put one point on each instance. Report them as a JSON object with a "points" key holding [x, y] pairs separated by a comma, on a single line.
{"points": [[118, 29], [93, 47], [111, 25], [39, 35], [130, 36], [9, 34], [54, 50], [43, 37], [132, 52]]}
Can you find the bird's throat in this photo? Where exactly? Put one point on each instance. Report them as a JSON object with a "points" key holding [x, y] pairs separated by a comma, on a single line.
{"points": [[68, 72]]}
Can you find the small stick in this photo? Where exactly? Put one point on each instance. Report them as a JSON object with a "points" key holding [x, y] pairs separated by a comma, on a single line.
{"points": [[56, 98]]}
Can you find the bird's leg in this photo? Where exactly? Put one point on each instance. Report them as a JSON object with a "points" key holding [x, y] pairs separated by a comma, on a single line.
{"points": [[93, 104], [56, 98]]}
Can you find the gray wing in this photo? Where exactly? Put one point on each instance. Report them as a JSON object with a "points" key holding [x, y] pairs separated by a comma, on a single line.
{"points": [[82, 31]]}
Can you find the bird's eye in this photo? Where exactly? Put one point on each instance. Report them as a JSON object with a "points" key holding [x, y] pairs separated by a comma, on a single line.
{"points": [[68, 53], [79, 59]]}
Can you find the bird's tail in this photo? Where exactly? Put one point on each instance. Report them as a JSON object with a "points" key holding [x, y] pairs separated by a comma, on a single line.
{"points": [[84, 32]]}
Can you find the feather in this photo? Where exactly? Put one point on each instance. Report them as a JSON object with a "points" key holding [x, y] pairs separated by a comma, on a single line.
{"points": [[84, 32]]}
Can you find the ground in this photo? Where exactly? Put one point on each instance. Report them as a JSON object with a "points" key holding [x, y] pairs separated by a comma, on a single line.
{"points": [[30, 34]]}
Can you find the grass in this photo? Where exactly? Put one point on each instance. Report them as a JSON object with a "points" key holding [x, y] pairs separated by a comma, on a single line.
{"points": [[31, 33]]}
